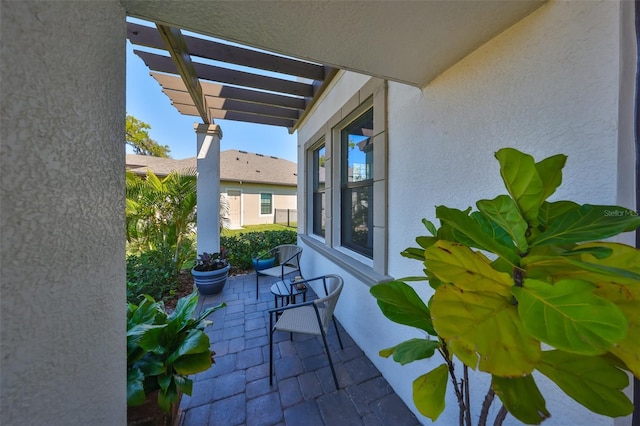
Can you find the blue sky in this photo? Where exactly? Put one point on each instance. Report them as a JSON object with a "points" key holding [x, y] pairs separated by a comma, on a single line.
{"points": [[146, 102]]}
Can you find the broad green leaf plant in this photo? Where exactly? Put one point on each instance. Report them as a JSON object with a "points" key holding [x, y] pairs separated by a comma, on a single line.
{"points": [[521, 285], [164, 349]]}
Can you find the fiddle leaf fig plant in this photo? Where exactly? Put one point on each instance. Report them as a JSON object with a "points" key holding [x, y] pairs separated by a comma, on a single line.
{"points": [[520, 285]]}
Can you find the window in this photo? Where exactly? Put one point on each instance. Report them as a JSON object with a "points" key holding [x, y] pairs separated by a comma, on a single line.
{"points": [[343, 171], [319, 189], [266, 203], [356, 144]]}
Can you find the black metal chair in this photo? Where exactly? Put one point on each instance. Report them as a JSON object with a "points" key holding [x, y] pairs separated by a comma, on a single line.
{"points": [[312, 317], [287, 262]]}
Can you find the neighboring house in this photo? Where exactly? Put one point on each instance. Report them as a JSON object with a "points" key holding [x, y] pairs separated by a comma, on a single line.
{"points": [[254, 185], [457, 81]]}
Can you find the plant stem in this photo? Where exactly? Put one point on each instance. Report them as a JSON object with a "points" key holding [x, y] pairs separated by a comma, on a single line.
{"points": [[502, 414], [488, 399], [467, 401], [445, 354]]}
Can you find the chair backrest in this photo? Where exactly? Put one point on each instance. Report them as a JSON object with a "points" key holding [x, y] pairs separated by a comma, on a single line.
{"points": [[333, 286], [289, 254]]}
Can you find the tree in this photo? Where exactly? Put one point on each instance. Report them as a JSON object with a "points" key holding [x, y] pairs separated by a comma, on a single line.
{"points": [[138, 138]]}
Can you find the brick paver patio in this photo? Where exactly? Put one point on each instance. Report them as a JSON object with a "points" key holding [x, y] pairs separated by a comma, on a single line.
{"points": [[236, 390]]}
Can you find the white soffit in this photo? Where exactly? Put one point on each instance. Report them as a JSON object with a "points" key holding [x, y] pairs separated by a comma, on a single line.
{"points": [[407, 41]]}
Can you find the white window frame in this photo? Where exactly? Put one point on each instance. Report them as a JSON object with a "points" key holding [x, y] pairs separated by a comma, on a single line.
{"points": [[369, 270], [260, 204]]}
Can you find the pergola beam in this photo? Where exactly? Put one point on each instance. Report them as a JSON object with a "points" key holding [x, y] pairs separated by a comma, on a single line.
{"points": [[170, 82], [174, 43], [208, 49], [228, 76]]}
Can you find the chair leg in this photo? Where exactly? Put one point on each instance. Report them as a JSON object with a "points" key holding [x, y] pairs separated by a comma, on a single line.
{"points": [[270, 350], [333, 371], [337, 332]]}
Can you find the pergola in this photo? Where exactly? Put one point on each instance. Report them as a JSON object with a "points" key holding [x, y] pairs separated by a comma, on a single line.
{"points": [[208, 91]]}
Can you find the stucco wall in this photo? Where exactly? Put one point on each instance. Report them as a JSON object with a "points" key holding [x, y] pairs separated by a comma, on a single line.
{"points": [[550, 84], [62, 214], [284, 197]]}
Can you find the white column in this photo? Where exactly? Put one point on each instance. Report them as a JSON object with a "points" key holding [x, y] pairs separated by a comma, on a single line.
{"points": [[208, 210]]}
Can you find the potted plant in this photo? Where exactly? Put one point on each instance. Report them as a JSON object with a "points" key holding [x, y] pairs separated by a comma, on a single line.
{"points": [[521, 286], [210, 272], [265, 259], [162, 350]]}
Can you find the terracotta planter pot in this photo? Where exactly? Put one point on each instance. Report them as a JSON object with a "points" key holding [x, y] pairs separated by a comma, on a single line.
{"points": [[211, 282], [150, 414]]}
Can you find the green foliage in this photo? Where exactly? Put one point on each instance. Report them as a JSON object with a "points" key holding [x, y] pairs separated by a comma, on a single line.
{"points": [[521, 285], [242, 247], [163, 349], [137, 136], [151, 272], [161, 213]]}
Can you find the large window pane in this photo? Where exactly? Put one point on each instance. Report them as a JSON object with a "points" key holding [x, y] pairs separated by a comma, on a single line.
{"points": [[357, 149], [357, 185], [319, 191], [357, 220]]}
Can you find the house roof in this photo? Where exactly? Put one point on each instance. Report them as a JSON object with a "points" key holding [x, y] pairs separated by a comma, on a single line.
{"points": [[235, 165]]}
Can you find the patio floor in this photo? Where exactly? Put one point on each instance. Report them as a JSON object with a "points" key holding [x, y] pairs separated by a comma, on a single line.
{"points": [[236, 390]]}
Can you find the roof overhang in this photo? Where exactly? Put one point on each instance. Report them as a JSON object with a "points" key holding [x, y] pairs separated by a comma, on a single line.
{"points": [[405, 41]]}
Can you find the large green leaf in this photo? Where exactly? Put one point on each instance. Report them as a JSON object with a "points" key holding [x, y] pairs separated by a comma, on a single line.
{"points": [[429, 390], [550, 172], [627, 299], [587, 223], [152, 339], [504, 211], [194, 342], [400, 303], [468, 270], [425, 241], [484, 331], [185, 308], [550, 211], [411, 350], [522, 398], [185, 384], [493, 229], [482, 238], [193, 363], [521, 178], [568, 316], [135, 387], [590, 380]]}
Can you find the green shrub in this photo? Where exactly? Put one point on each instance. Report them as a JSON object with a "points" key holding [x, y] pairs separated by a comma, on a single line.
{"points": [[244, 246], [152, 272]]}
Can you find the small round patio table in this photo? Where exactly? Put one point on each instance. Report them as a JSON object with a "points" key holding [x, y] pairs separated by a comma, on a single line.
{"points": [[287, 291]]}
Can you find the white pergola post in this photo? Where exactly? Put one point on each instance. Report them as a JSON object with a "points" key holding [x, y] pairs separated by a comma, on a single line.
{"points": [[208, 165]]}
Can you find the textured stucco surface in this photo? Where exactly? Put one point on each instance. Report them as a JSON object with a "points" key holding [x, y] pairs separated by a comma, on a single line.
{"points": [[548, 85], [62, 214]]}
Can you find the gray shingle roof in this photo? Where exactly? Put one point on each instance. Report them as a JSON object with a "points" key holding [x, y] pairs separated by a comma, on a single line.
{"points": [[235, 165]]}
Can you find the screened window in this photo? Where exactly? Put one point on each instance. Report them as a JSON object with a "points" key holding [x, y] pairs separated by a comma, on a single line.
{"points": [[266, 203], [356, 144], [319, 193]]}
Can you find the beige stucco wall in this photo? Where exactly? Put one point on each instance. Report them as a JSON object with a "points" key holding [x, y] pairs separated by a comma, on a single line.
{"points": [[550, 84], [62, 315], [284, 197]]}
